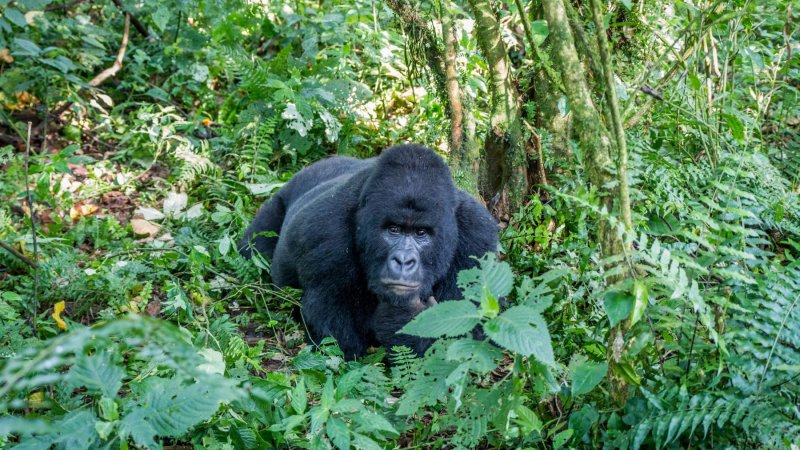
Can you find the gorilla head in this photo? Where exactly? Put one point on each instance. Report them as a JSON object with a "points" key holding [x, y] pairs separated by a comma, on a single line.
{"points": [[405, 236]]}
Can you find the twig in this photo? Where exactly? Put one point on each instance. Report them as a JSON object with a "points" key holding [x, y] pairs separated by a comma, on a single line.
{"points": [[33, 227], [136, 24], [67, 5], [111, 71], [19, 255], [616, 116], [97, 80]]}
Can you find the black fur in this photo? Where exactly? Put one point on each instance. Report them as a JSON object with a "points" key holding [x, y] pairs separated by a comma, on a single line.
{"points": [[346, 226]]}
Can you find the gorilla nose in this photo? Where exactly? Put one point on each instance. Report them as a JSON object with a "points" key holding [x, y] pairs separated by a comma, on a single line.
{"points": [[402, 264]]}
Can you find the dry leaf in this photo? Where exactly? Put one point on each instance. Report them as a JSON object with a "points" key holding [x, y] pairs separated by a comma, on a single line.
{"points": [[81, 210], [143, 227], [175, 203], [149, 213], [5, 56]]}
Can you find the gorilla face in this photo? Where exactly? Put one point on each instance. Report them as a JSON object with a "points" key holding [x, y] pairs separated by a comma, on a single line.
{"points": [[403, 272], [406, 230]]}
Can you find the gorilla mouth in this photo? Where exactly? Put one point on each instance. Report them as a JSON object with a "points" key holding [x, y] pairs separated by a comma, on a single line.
{"points": [[400, 287]]}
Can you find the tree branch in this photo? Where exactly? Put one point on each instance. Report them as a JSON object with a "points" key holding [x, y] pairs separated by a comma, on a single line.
{"points": [[111, 71], [19, 255]]}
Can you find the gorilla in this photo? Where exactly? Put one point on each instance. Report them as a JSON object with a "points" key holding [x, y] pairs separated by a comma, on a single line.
{"points": [[371, 243]]}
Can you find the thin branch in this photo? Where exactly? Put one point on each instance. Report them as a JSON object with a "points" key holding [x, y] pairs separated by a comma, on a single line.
{"points": [[136, 24], [616, 118], [67, 5], [19, 255], [33, 226], [111, 71]]}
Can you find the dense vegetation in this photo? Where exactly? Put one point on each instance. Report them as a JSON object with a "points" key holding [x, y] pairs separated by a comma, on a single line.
{"points": [[138, 138]]}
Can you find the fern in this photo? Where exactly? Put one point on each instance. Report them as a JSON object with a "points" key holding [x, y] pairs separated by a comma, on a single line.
{"points": [[193, 164], [405, 366], [176, 393]]}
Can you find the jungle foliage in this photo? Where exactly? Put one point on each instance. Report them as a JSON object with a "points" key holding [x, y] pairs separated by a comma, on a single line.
{"points": [[127, 318]]}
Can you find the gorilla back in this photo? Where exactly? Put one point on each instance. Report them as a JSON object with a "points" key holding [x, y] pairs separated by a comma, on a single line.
{"points": [[367, 240]]}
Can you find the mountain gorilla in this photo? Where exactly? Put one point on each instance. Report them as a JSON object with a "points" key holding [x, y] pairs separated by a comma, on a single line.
{"points": [[368, 240]]}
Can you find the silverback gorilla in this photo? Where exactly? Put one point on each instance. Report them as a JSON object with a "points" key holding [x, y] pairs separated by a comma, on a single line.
{"points": [[368, 240]]}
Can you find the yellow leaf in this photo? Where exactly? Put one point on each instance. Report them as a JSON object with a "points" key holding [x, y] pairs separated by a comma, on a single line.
{"points": [[5, 56], [36, 399], [58, 308]]}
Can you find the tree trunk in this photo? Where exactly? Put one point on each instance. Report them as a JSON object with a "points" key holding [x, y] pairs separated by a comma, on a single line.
{"points": [[464, 153], [597, 143], [420, 30], [505, 153]]}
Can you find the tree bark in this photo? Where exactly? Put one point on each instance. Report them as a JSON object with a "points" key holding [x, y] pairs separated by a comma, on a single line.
{"points": [[421, 31], [464, 153], [504, 149], [598, 146]]}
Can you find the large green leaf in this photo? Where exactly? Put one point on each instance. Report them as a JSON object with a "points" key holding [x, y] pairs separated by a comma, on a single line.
{"points": [[494, 275], [588, 375], [338, 432], [444, 319], [618, 306], [522, 330], [97, 373]]}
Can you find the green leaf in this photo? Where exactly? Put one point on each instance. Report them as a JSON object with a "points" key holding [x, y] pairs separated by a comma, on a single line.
{"points": [[491, 273], [587, 376], [618, 306], [15, 17], [61, 63], [561, 438], [97, 373], [481, 354], [25, 48], [160, 18], [522, 330], [363, 442], [540, 30], [490, 307], [225, 245], [338, 433], [527, 420], [735, 125], [639, 302], [372, 422], [170, 407], [451, 318], [299, 399]]}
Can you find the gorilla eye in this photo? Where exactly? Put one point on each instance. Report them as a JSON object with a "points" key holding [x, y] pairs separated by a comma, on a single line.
{"points": [[421, 232], [394, 229]]}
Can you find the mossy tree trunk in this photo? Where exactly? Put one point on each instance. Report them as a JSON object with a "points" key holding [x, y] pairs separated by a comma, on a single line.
{"points": [[598, 145], [464, 152], [506, 160]]}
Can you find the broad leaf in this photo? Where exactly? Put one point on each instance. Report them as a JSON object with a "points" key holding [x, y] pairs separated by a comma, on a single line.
{"points": [[618, 306], [452, 318], [492, 274], [522, 330], [338, 432], [587, 376]]}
